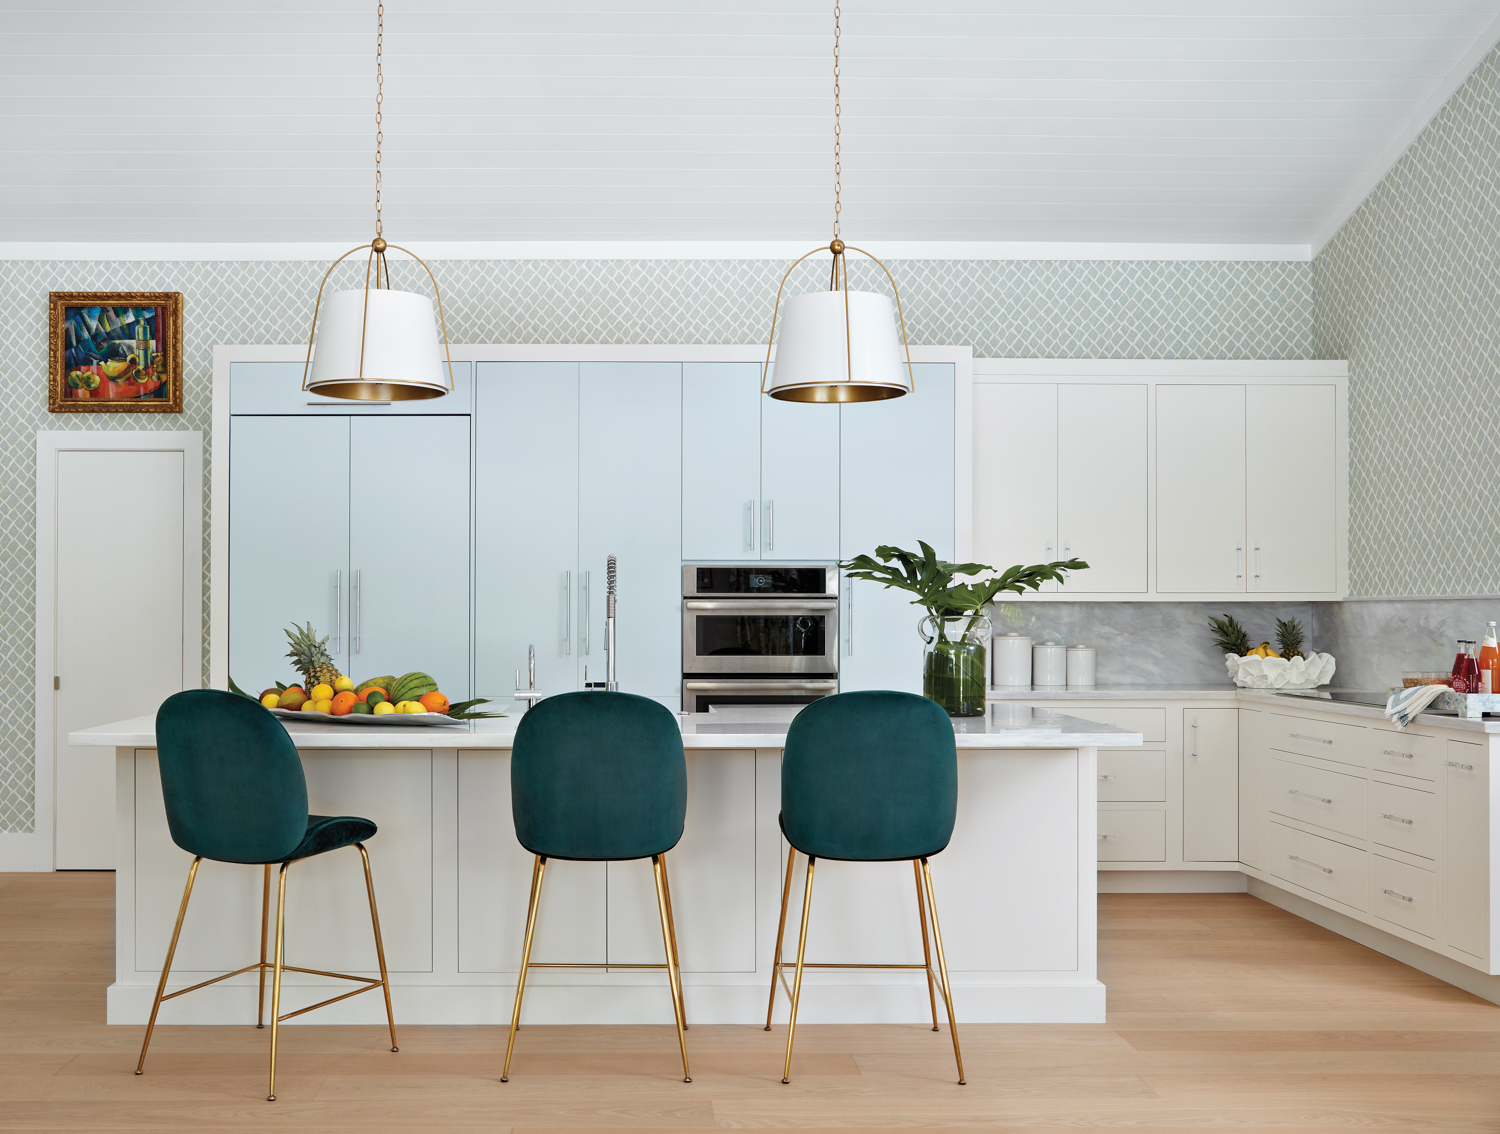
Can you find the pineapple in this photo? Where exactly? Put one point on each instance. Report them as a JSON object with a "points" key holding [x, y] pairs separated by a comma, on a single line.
{"points": [[1230, 636], [310, 656], [1290, 638]]}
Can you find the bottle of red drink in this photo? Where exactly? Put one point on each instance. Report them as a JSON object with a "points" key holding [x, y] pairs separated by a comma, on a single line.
{"points": [[1466, 668]]}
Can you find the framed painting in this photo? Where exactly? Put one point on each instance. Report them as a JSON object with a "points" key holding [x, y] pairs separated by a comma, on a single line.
{"points": [[114, 352]]}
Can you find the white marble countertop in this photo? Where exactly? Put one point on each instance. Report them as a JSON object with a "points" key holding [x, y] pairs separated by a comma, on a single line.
{"points": [[1003, 726], [1490, 725], [1219, 691]]}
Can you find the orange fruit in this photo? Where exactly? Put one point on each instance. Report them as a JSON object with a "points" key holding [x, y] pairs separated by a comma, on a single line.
{"points": [[364, 693], [343, 704], [434, 702]]}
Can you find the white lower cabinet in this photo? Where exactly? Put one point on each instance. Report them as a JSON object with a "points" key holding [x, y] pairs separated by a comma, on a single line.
{"points": [[1253, 759], [1403, 818], [1319, 797], [1132, 777], [1466, 874], [1132, 836], [1403, 895], [1326, 867], [1211, 785]]}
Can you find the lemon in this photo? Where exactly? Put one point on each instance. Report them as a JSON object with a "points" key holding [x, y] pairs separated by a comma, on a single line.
{"points": [[325, 705], [321, 692], [343, 684], [270, 700], [382, 708]]}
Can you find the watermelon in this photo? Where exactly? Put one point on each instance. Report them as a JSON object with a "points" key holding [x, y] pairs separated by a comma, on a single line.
{"points": [[411, 686]]}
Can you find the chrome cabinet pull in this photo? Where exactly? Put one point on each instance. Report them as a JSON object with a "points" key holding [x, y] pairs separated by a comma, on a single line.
{"points": [[338, 610], [1312, 739], [1403, 755], [1310, 862], [1194, 752], [1111, 776], [584, 587], [1257, 562], [770, 525], [1456, 764], [750, 521], [1395, 818], [1103, 837], [1395, 894], [567, 612], [851, 617], [1239, 561], [1067, 547], [1309, 795], [355, 597], [1049, 550]]}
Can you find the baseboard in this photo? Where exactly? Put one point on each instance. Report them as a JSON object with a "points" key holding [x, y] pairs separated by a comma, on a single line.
{"points": [[1425, 960], [20, 852], [1171, 882]]}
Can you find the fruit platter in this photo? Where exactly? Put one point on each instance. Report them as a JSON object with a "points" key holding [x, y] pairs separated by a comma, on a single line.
{"points": [[326, 696]]}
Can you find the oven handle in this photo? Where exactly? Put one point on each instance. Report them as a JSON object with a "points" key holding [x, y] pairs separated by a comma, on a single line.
{"points": [[765, 606], [779, 684]]}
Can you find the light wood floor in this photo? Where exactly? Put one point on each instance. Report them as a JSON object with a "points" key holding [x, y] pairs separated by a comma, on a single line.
{"points": [[1225, 1014]]}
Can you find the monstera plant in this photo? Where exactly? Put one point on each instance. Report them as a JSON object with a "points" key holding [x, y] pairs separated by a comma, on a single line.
{"points": [[954, 629]]}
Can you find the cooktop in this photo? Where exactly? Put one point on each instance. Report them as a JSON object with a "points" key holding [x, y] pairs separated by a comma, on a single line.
{"points": [[1350, 696]]}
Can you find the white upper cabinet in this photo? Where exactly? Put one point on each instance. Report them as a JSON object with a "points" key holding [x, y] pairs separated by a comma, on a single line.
{"points": [[1102, 488], [1170, 478], [1291, 491], [1200, 489]]}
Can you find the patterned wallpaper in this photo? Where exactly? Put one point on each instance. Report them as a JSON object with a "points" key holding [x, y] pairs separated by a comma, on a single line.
{"points": [[1408, 291], [1049, 309]]}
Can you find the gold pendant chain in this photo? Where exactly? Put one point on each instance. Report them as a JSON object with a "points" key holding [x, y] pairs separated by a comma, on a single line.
{"points": [[379, 99], [838, 170]]}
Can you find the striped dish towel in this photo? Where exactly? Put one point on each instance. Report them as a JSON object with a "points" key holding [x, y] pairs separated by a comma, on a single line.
{"points": [[1406, 704]]}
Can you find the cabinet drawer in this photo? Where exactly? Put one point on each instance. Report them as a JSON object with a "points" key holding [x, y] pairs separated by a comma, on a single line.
{"points": [[1327, 740], [1403, 894], [1318, 864], [1405, 753], [1132, 777], [1150, 723], [1404, 818], [1317, 795], [1132, 836]]}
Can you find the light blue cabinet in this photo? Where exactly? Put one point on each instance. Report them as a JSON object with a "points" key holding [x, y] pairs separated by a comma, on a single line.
{"points": [[408, 589], [526, 526], [288, 541], [896, 487], [276, 388], [630, 506], [759, 475]]}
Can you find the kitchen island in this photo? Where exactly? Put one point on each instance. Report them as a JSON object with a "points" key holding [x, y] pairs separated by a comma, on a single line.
{"points": [[1015, 889]]}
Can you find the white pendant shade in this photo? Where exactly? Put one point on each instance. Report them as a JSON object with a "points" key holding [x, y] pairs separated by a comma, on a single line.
{"points": [[395, 333], [822, 358]]}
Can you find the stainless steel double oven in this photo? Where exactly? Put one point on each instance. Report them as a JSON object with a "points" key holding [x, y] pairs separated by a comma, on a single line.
{"points": [[758, 635]]}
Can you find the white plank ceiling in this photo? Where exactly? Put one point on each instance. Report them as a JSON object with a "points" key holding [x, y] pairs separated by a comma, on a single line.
{"points": [[1259, 121]]}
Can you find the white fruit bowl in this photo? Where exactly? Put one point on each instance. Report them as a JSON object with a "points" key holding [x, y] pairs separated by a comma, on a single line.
{"points": [[386, 720], [1255, 672]]}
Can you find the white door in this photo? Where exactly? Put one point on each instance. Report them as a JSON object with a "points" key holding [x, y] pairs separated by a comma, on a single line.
{"points": [[1102, 445], [1015, 474], [1211, 785], [1291, 510], [1200, 489], [118, 588], [721, 403]]}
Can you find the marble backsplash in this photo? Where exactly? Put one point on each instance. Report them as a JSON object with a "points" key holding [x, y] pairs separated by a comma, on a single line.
{"points": [[1154, 643]]}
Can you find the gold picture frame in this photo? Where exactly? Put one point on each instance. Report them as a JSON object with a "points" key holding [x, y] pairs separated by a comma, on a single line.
{"points": [[114, 352]]}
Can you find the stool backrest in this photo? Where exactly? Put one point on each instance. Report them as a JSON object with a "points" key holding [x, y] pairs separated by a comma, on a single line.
{"points": [[598, 776], [231, 778], [870, 776]]}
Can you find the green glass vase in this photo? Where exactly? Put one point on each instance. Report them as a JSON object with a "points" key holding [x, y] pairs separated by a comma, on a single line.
{"points": [[954, 672]]}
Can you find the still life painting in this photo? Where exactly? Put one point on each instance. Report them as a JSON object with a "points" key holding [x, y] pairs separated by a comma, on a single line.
{"points": [[112, 352]]}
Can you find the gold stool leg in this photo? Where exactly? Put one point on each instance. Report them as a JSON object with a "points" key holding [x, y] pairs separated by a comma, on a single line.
{"points": [[791, 1031], [166, 968], [916, 869], [937, 938], [265, 917], [531, 907], [669, 944], [786, 892], [276, 971], [385, 980], [666, 890]]}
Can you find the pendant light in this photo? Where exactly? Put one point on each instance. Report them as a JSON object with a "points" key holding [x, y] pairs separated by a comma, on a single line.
{"points": [[378, 344], [838, 345]]}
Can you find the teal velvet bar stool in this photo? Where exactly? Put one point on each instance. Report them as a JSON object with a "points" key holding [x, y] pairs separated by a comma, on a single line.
{"points": [[868, 777], [234, 791], [599, 777]]}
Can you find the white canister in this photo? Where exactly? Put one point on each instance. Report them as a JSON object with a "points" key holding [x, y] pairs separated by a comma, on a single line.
{"points": [[1081, 667], [1049, 664], [1012, 654]]}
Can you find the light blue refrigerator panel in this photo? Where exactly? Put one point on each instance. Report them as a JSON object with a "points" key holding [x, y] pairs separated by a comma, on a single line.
{"points": [[288, 541], [721, 403], [276, 387], [409, 549], [630, 505], [896, 468], [799, 474], [526, 525]]}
